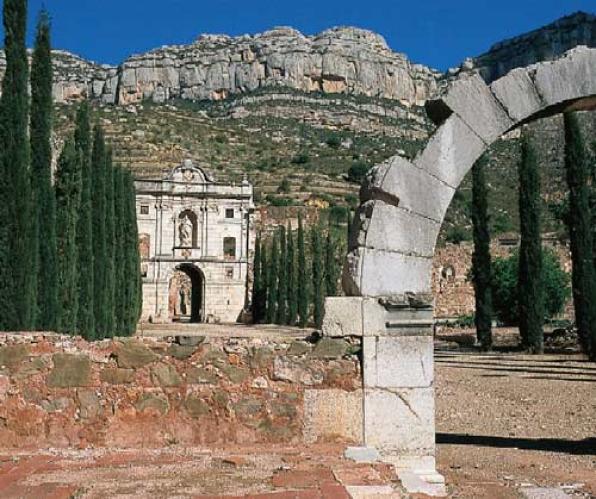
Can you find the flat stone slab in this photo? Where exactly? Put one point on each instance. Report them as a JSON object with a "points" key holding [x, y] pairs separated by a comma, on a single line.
{"points": [[373, 492], [543, 493], [362, 454], [417, 484]]}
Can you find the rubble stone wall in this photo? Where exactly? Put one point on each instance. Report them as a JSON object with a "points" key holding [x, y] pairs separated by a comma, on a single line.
{"points": [[59, 391]]}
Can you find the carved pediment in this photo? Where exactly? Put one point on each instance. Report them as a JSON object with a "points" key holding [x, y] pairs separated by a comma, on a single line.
{"points": [[188, 172]]}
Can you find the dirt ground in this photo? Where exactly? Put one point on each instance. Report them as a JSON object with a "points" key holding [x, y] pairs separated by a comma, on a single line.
{"points": [[505, 421]]}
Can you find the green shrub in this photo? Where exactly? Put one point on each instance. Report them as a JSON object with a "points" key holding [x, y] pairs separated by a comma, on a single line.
{"points": [[300, 159], [285, 186], [357, 172], [456, 234], [505, 281], [333, 141]]}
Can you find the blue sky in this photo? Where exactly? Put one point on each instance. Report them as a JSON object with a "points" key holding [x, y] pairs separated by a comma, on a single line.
{"points": [[438, 33]]}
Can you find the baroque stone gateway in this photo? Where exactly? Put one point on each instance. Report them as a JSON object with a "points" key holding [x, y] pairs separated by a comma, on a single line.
{"points": [[389, 265], [195, 239]]}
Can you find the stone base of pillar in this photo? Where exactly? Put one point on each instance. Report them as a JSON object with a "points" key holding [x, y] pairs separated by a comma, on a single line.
{"points": [[397, 373]]}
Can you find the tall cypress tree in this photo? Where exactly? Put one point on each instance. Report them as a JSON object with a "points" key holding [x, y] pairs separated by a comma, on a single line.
{"points": [[531, 295], [265, 276], [68, 196], [302, 292], [120, 293], [257, 283], [481, 263], [281, 316], [98, 199], [273, 296], [331, 271], [317, 275], [133, 260], [86, 315], [110, 245], [580, 232], [291, 278], [17, 282], [41, 178]]}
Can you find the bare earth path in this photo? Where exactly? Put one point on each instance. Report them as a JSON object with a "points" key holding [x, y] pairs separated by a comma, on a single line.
{"points": [[508, 420]]}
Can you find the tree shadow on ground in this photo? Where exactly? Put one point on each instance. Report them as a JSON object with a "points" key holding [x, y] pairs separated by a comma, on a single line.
{"points": [[585, 447]]}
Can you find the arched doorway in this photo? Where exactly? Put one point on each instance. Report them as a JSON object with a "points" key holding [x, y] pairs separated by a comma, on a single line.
{"points": [[186, 294]]}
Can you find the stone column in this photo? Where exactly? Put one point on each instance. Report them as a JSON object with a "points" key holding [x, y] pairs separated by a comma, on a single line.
{"points": [[398, 391]]}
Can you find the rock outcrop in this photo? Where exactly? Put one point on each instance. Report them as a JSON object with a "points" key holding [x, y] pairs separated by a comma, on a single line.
{"points": [[339, 60], [544, 44]]}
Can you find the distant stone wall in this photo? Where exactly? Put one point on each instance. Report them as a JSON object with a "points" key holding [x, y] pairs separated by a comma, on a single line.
{"points": [[59, 391], [453, 290]]}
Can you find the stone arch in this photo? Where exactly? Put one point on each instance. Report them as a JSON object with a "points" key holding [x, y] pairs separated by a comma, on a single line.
{"points": [[387, 275], [403, 203], [186, 293]]}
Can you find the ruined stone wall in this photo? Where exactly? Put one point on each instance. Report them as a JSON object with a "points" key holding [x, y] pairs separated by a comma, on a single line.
{"points": [[59, 391], [453, 290]]}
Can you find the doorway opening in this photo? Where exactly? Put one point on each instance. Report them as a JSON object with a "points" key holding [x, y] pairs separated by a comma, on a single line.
{"points": [[186, 303]]}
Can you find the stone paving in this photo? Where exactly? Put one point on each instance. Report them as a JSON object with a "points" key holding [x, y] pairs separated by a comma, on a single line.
{"points": [[273, 472]]}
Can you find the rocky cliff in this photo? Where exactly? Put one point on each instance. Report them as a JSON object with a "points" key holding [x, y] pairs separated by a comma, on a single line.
{"points": [[339, 60], [544, 44]]}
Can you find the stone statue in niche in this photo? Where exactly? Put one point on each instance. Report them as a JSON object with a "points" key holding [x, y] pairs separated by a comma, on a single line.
{"points": [[185, 232]]}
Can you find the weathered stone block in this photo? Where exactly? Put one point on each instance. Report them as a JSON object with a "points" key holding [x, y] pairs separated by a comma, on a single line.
{"points": [[196, 407], [11, 356], [362, 454], [299, 348], [333, 414], [70, 370], [392, 228], [401, 183], [134, 354], [400, 422], [200, 375], [248, 407], [181, 352], [343, 316], [88, 403], [413, 369], [165, 375], [117, 376], [451, 152], [568, 78], [329, 348], [156, 404], [471, 99], [517, 93], [235, 374], [385, 273], [293, 371]]}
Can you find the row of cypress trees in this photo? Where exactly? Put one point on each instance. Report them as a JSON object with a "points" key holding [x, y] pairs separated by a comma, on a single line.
{"points": [[579, 219], [293, 274], [63, 246]]}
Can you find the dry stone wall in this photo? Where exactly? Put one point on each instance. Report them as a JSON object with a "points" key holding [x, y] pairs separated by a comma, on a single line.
{"points": [[59, 391]]}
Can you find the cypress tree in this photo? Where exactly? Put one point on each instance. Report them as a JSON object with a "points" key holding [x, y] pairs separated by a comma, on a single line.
{"points": [[110, 245], [41, 178], [133, 271], [265, 276], [273, 296], [86, 315], [481, 263], [281, 316], [98, 198], [291, 278], [583, 277], [120, 293], [531, 296], [302, 291], [257, 284], [331, 274], [68, 194], [17, 282], [317, 275]]}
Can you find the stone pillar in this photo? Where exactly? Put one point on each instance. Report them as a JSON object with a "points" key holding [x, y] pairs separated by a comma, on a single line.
{"points": [[398, 391]]}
